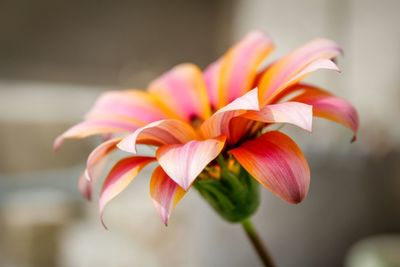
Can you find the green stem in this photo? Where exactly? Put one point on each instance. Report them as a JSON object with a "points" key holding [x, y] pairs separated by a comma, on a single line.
{"points": [[257, 243]]}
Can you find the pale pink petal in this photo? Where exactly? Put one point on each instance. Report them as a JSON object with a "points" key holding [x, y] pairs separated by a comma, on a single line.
{"points": [[159, 133], [295, 113], [165, 193], [94, 127], [275, 161], [291, 68], [85, 186], [183, 90], [98, 155], [184, 162], [119, 178], [219, 123], [233, 75], [328, 106]]}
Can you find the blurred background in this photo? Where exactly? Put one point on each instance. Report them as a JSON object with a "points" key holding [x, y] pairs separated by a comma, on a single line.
{"points": [[56, 57]]}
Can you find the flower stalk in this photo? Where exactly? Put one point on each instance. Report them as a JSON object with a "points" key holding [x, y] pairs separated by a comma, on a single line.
{"points": [[259, 247]]}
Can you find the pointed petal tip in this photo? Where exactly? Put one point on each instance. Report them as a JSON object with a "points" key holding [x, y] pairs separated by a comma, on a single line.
{"points": [[276, 162], [102, 222], [126, 145], [353, 139], [57, 143]]}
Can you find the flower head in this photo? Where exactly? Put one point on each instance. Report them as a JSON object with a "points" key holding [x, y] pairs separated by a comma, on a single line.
{"points": [[193, 116]]}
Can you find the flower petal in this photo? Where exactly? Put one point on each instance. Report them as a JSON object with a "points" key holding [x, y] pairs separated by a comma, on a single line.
{"points": [[159, 133], [211, 78], [277, 163], [328, 106], [134, 104], [183, 89], [219, 123], [94, 167], [94, 127], [98, 154], [184, 162], [119, 178], [291, 68], [85, 186], [118, 111], [232, 75], [295, 113], [165, 193]]}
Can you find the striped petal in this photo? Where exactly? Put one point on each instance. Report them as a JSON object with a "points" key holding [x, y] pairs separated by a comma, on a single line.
{"points": [[275, 161], [137, 105], [295, 113], [119, 178], [118, 111], [94, 127], [159, 133], [232, 75], [219, 123], [98, 155], [165, 193], [183, 90], [293, 67], [94, 167], [328, 106], [184, 162]]}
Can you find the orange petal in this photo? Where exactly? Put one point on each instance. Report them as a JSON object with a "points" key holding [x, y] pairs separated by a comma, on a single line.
{"points": [[165, 193], [275, 161], [159, 133], [293, 67], [295, 113], [184, 162], [183, 90], [233, 75], [328, 106], [119, 178]]}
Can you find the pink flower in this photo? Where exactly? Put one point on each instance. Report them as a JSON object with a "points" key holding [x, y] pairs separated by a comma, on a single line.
{"points": [[193, 116]]}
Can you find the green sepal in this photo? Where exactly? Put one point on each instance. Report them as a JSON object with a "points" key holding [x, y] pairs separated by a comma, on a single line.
{"points": [[234, 196]]}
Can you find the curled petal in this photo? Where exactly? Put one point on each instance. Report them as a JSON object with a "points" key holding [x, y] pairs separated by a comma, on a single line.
{"points": [[85, 186], [275, 161], [94, 167], [165, 193], [94, 127], [183, 89], [159, 133], [328, 106], [97, 155], [295, 113], [184, 162], [219, 123], [293, 67], [119, 178], [233, 74]]}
